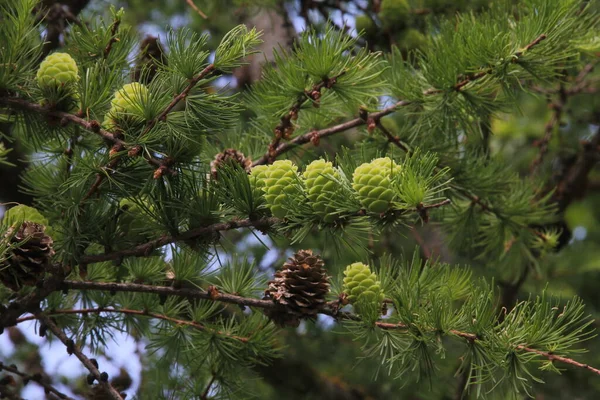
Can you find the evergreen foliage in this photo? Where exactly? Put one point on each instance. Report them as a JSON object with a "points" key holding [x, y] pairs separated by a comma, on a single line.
{"points": [[158, 195]]}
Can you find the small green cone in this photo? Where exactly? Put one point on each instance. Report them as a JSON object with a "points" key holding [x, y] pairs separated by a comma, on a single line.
{"points": [[126, 104], [280, 183], [373, 184], [322, 189], [360, 284], [57, 70]]}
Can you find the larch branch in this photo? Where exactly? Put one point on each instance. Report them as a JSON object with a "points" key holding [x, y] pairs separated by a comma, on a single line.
{"points": [[37, 378], [72, 348]]}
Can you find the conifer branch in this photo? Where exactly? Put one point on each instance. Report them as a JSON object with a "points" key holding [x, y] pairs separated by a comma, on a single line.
{"points": [[38, 378], [29, 303], [214, 295], [113, 35], [210, 230], [557, 110], [72, 348], [315, 136], [204, 395], [146, 248], [141, 313], [284, 129], [276, 149], [163, 166], [65, 117]]}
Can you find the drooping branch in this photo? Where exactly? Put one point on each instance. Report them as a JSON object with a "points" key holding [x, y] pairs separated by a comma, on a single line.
{"points": [[146, 248], [38, 378], [65, 118], [331, 309], [140, 313], [72, 348]]}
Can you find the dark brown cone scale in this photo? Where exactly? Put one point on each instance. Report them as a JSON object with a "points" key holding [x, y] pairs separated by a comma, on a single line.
{"points": [[227, 156], [29, 258], [300, 289]]}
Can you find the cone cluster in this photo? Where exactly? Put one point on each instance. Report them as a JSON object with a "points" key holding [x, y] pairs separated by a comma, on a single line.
{"points": [[29, 257], [323, 185], [299, 288]]}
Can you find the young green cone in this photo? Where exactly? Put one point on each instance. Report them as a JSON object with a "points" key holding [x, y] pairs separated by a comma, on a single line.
{"points": [[373, 184]]}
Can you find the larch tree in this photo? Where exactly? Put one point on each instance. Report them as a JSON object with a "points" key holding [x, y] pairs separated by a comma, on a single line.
{"points": [[373, 199]]}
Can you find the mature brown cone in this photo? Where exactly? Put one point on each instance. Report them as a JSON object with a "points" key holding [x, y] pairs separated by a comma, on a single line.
{"points": [[300, 289], [229, 155], [30, 257]]}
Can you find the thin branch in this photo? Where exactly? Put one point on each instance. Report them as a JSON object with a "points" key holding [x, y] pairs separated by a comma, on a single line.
{"points": [[146, 248], [29, 303], [64, 117], [213, 295], [38, 378], [141, 313], [316, 136], [557, 109], [331, 309], [113, 36], [209, 231], [204, 395], [195, 8], [72, 348], [284, 129]]}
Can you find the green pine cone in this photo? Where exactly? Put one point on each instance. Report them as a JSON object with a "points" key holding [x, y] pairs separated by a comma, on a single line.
{"points": [[18, 214], [57, 70], [126, 103], [280, 182], [321, 187], [361, 285], [373, 184], [133, 221], [257, 178], [393, 14]]}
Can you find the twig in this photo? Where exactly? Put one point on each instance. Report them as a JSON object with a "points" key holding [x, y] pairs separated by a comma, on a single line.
{"points": [[29, 303], [72, 348], [284, 129], [38, 378], [208, 231], [331, 310], [146, 248], [574, 182], [141, 313], [315, 136], [195, 8], [64, 117], [557, 109], [113, 36], [204, 395]]}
